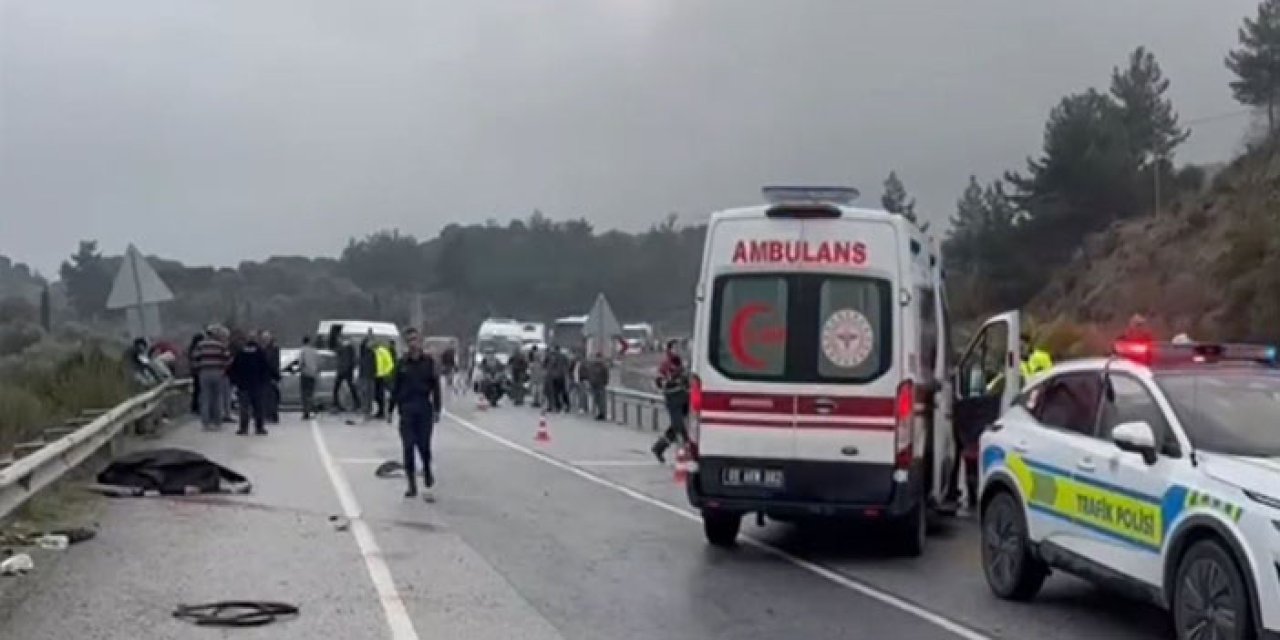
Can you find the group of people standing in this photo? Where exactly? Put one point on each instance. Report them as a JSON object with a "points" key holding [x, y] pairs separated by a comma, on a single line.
{"points": [[562, 381], [247, 363], [372, 365]]}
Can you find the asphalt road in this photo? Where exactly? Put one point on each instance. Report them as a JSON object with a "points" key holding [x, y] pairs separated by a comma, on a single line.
{"points": [[585, 537]]}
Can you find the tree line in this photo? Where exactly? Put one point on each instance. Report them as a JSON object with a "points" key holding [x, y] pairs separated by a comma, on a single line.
{"points": [[1106, 156]]}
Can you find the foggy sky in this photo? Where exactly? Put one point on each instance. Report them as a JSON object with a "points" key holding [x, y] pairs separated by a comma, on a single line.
{"points": [[219, 130]]}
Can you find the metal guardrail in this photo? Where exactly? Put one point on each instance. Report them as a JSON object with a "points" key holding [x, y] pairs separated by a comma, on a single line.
{"points": [[637, 408], [41, 463]]}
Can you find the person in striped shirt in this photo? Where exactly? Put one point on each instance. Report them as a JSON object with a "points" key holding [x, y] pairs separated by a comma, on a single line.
{"points": [[209, 365]]}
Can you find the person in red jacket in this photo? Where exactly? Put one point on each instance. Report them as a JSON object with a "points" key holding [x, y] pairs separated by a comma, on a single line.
{"points": [[1137, 331]]}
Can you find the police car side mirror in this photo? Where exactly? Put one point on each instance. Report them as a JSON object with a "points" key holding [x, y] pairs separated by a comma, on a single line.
{"points": [[1136, 437]]}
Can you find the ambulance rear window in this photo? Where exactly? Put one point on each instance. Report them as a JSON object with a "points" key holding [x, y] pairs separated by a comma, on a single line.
{"points": [[752, 334], [846, 326]]}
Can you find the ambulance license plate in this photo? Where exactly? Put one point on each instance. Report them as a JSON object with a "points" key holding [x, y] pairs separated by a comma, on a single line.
{"points": [[752, 477]]}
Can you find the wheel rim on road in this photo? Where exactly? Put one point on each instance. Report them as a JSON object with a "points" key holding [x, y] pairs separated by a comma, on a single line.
{"points": [[1206, 602], [1002, 544]]}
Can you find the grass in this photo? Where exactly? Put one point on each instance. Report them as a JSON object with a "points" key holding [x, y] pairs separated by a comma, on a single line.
{"points": [[48, 384]]}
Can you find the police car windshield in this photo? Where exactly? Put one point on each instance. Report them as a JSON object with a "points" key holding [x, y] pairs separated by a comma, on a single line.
{"points": [[1232, 413]]}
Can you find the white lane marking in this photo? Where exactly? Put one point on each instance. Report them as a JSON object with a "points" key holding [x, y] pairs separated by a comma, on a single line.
{"points": [[901, 604], [392, 604], [613, 463]]}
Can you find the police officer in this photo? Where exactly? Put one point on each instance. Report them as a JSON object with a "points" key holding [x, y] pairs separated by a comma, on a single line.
{"points": [[1034, 359], [416, 393]]}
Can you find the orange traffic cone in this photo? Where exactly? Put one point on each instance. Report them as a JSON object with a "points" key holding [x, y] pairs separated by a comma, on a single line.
{"points": [[543, 435], [682, 465]]}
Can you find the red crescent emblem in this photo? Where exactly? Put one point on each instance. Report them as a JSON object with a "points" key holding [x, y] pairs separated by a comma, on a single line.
{"points": [[741, 337]]}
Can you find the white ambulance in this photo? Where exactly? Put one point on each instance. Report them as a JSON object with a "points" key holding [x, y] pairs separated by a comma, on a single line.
{"points": [[820, 368]]}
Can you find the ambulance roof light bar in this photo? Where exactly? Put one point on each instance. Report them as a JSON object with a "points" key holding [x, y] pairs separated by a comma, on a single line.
{"points": [[843, 196], [807, 202], [1153, 353]]}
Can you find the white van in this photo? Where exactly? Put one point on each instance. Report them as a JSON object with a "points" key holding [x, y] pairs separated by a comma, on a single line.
{"points": [[330, 332], [820, 368]]}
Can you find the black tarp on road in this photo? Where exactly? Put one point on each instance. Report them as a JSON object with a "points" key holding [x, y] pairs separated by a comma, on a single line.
{"points": [[170, 472]]}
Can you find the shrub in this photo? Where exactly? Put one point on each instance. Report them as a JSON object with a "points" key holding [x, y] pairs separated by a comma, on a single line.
{"points": [[50, 382]]}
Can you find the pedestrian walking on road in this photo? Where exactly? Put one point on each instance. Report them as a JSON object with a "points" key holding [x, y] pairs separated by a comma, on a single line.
{"points": [[557, 388], [385, 363], [195, 378], [449, 368], [415, 391], [367, 372], [309, 368], [673, 382], [346, 374], [598, 378], [581, 387], [272, 351], [209, 361], [251, 374], [537, 377]]}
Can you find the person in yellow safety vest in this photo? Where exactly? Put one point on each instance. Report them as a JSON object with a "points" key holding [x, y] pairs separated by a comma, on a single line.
{"points": [[1034, 361], [385, 366]]}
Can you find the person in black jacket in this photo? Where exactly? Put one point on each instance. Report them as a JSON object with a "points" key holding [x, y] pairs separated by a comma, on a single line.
{"points": [[272, 396], [416, 392], [347, 374], [251, 374]]}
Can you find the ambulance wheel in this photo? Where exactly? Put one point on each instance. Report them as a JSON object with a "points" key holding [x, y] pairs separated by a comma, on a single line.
{"points": [[1013, 572], [907, 534], [721, 527], [1210, 599]]}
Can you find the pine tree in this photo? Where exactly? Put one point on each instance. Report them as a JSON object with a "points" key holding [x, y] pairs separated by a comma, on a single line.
{"points": [[1257, 62], [1148, 115], [895, 198]]}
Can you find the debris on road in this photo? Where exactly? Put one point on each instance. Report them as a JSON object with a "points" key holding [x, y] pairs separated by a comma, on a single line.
{"points": [[235, 613], [168, 472], [72, 535], [53, 542], [340, 523], [392, 469], [389, 469], [17, 565]]}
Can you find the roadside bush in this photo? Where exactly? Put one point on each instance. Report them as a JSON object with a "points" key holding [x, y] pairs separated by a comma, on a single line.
{"points": [[21, 413], [49, 382]]}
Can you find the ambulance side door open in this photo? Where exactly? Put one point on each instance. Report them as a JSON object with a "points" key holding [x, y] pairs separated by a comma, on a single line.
{"points": [[987, 378]]}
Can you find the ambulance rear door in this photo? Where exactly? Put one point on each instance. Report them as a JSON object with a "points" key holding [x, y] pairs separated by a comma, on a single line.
{"points": [[845, 358], [747, 407]]}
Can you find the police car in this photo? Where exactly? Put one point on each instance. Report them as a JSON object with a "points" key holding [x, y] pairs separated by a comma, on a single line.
{"points": [[821, 384], [1155, 471]]}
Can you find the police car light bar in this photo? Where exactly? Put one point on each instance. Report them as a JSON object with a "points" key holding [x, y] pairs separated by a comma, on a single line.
{"points": [[1152, 353], [843, 196]]}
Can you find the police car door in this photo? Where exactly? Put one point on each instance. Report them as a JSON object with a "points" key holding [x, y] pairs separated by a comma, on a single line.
{"points": [[987, 379], [1056, 460], [1129, 508]]}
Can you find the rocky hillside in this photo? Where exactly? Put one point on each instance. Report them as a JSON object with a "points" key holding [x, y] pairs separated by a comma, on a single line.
{"points": [[1207, 265]]}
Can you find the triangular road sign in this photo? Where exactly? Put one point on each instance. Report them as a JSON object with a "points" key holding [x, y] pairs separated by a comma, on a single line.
{"points": [[137, 283]]}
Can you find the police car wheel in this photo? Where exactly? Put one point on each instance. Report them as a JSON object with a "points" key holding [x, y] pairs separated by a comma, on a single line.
{"points": [[1012, 571], [1210, 599], [721, 528]]}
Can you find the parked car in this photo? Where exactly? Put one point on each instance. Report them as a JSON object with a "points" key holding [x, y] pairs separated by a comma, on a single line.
{"points": [[291, 379]]}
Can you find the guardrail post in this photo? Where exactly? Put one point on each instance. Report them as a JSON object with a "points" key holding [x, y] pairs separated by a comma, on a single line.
{"points": [[655, 418]]}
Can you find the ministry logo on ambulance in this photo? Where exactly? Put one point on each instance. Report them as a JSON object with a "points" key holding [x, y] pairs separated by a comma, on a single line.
{"points": [[847, 338]]}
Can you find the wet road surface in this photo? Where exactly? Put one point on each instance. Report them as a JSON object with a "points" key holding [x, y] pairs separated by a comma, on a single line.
{"points": [[584, 537]]}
